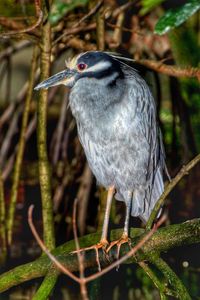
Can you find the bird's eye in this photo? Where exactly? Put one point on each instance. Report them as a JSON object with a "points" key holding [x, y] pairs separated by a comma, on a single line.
{"points": [[81, 66]]}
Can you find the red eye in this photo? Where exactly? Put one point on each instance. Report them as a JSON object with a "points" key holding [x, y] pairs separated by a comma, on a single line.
{"points": [[82, 66]]}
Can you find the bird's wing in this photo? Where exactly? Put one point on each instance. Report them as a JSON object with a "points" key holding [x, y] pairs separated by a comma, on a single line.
{"points": [[146, 111]]}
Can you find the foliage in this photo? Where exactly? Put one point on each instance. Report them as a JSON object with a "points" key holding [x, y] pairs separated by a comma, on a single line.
{"points": [[148, 5], [174, 18], [60, 8]]}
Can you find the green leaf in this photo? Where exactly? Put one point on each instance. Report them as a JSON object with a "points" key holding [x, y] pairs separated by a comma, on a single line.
{"points": [[174, 18], [60, 8], [148, 5]]}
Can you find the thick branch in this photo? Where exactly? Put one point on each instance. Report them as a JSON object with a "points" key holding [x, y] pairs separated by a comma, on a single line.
{"points": [[164, 239]]}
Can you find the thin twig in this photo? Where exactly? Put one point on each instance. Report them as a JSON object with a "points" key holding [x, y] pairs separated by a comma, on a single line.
{"points": [[170, 70], [8, 138], [80, 255], [91, 12], [30, 129], [13, 49], [58, 134], [39, 15], [2, 221], [117, 34], [6, 116], [125, 29], [70, 32], [76, 27], [83, 196], [122, 8], [46, 250]]}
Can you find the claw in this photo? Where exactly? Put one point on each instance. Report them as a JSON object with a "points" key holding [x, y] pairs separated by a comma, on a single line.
{"points": [[101, 245], [123, 239]]}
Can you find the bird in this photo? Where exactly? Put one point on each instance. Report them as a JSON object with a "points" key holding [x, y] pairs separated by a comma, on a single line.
{"points": [[116, 119]]}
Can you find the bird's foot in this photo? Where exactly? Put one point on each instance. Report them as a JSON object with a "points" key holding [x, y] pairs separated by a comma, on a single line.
{"points": [[103, 244], [123, 239]]}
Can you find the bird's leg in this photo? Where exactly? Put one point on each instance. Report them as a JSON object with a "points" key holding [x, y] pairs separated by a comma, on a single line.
{"points": [[103, 243], [104, 234], [124, 238]]}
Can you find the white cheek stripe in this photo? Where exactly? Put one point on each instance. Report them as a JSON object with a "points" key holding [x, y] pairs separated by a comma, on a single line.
{"points": [[100, 66]]}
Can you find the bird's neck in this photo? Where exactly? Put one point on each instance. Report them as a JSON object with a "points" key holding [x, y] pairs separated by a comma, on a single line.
{"points": [[94, 104]]}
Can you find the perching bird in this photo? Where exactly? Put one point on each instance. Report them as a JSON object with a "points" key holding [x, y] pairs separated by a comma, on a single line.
{"points": [[116, 120]]}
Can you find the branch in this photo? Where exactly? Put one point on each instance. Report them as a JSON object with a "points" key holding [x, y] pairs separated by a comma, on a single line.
{"points": [[161, 286], [172, 278], [164, 239], [44, 170], [48, 283], [170, 70]]}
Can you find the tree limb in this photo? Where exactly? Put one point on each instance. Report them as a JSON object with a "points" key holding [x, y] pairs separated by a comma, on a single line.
{"points": [[164, 239]]}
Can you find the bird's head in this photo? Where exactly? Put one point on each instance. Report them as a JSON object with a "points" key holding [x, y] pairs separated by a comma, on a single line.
{"points": [[91, 64]]}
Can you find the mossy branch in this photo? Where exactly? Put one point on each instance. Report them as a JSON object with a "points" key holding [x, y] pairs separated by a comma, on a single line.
{"points": [[172, 278], [164, 239], [44, 170], [47, 285], [161, 286]]}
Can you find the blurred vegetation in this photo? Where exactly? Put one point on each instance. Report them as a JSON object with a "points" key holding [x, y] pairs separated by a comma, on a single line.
{"points": [[36, 38]]}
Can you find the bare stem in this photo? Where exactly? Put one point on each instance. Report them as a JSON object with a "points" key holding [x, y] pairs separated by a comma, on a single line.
{"points": [[80, 256], [20, 151], [100, 30], [2, 222]]}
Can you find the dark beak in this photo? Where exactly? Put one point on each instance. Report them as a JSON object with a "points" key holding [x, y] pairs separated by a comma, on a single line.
{"points": [[65, 77]]}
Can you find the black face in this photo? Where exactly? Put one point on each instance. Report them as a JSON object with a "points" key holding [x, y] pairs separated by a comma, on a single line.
{"points": [[93, 57], [98, 65], [92, 64]]}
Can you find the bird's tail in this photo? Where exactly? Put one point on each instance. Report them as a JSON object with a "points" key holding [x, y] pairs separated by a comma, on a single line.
{"points": [[146, 200]]}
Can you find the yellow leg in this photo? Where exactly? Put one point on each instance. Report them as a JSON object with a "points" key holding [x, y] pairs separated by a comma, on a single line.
{"points": [[103, 243], [124, 238], [104, 234]]}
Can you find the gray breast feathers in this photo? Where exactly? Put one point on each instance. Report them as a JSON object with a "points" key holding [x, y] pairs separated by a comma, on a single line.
{"points": [[123, 145]]}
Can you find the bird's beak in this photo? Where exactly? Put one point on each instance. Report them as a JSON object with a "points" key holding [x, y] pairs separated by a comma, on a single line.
{"points": [[65, 77]]}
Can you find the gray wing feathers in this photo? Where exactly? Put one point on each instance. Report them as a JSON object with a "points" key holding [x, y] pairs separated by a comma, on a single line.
{"points": [[145, 198]]}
